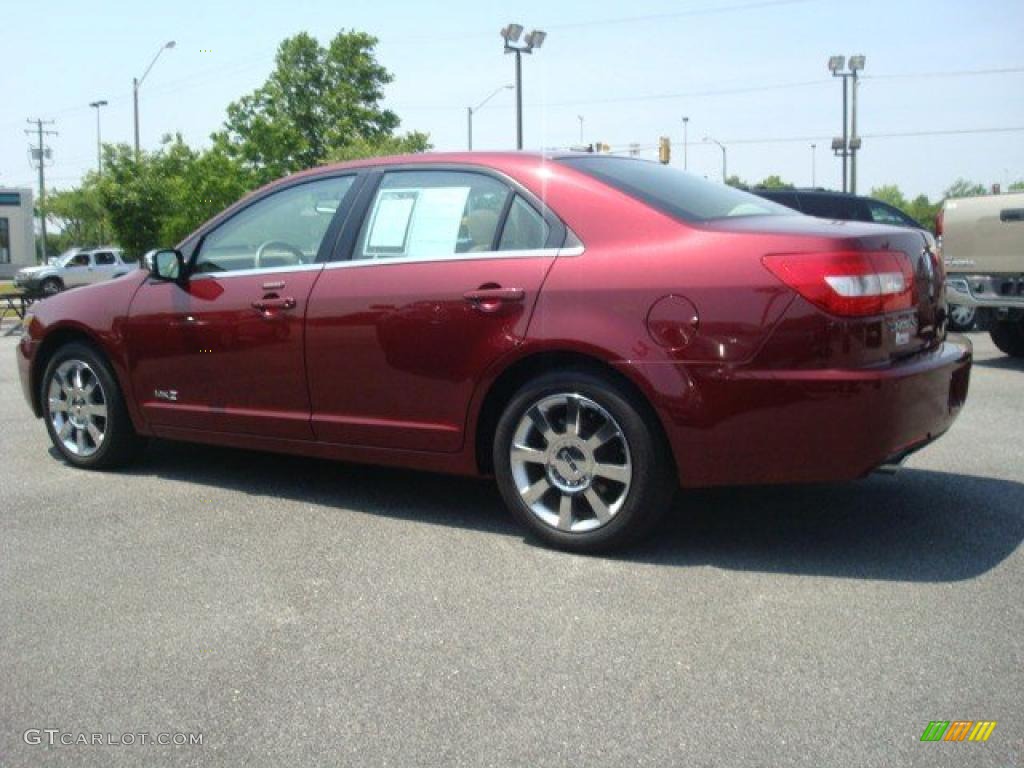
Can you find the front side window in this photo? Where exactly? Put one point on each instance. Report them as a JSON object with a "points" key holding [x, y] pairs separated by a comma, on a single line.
{"points": [[419, 215], [679, 194], [282, 230], [79, 260]]}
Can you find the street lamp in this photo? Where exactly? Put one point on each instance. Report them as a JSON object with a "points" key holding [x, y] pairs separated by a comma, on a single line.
{"points": [[814, 148], [99, 148], [847, 145], [686, 122], [99, 145], [722, 147], [534, 39], [470, 111], [137, 82], [580, 118]]}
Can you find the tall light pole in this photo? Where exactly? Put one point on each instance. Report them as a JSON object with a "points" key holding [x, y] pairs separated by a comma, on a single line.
{"points": [[99, 148], [470, 111], [814, 182], [686, 122], [840, 144], [722, 147], [137, 82], [99, 141], [856, 65], [580, 118], [535, 39]]}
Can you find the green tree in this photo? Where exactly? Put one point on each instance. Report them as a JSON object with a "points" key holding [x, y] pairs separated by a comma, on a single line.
{"points": [[318, 103], [77, 214], [774, 182], [408, 143], [965, 188], [921, 209], [891, 194], [736, 181], [135, 197], [1016, 186]]}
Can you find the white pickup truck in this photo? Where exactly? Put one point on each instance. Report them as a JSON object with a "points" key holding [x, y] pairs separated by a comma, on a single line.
{"points": [[983, 250], [73, 268]]}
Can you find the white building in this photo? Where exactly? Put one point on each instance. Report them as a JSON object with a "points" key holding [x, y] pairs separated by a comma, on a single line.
{"points": [[17, 241]]}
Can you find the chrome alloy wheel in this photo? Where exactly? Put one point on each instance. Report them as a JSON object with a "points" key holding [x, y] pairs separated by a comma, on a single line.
{"points": [[570, 463], [962, 315], [78, 408]]}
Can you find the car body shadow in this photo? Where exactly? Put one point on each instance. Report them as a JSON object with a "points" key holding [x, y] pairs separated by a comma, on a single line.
{"points": [[920, 526], [1005, 363]]}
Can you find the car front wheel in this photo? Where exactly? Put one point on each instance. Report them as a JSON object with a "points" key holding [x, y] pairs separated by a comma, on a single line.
{"points": [[582, 463], [50, 287], [84, 410]]}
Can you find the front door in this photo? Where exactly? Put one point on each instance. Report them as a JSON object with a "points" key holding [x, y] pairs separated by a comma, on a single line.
{"points": [[223, 351], [441, 282]]}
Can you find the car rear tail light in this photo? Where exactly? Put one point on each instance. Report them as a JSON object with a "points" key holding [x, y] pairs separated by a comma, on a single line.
{"points": [[848, 283]]}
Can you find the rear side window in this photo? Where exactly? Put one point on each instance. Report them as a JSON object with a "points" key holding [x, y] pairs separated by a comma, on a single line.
{"points": [[104, 258], [822, 206], [432, 214], [672, 191], [525, 229]]}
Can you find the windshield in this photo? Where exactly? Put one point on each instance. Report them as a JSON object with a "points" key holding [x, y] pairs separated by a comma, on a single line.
{"points": [[677, 193]]}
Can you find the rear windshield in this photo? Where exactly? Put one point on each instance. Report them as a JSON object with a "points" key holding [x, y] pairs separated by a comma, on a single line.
{"points": [[672, 191]]}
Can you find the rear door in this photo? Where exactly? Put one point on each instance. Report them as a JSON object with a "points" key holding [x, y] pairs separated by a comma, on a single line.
{"points": [[438, 281]]}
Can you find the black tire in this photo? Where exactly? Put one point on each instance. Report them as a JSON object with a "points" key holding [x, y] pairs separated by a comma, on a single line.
{"points": [[120, 444], [962, 318], [1008, 335], [50, 287], [653, 479]]}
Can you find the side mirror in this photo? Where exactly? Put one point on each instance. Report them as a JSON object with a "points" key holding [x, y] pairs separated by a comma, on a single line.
{"points": [[165, 264]]}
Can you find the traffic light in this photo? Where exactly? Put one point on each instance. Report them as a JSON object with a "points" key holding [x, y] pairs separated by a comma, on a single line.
{"points": [[664, 150]]}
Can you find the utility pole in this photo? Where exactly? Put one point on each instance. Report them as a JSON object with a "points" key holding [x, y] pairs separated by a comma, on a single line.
{"points": [[814, 182], [41, 153], [580, 118]]}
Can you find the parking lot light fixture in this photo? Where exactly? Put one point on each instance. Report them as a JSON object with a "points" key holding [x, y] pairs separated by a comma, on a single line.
{"points": [[470, 111], [137, 83], [722, 147], [534, 40], [835, 63]]}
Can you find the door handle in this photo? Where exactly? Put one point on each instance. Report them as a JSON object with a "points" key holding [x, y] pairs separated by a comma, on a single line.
{"points": [[265, 305], [492, 299]]}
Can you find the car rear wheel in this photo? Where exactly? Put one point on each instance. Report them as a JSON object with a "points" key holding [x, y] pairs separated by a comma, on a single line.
{"points": [[582, 463], [50, 286], [85, 412], [961, 317], [1009, 336]]}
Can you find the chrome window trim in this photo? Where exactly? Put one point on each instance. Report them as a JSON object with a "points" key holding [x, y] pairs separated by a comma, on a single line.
{"points": [[532, 253], [259, 271]]}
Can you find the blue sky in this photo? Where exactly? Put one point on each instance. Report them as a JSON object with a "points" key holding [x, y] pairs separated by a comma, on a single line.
{"points": [[744, 71]]}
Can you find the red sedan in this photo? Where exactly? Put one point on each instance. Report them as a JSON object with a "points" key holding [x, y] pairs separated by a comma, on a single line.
{"points": [[593, 331]]}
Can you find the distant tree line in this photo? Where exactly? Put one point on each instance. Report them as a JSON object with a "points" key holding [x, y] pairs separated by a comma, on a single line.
{"points": [[320, 104]]}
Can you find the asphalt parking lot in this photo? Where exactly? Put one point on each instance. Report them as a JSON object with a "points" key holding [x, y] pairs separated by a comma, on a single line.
{"points": [[297, 612]]}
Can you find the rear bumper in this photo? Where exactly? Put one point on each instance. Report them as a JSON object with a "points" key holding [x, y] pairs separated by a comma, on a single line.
{"points": [[995, 291], [768, 426]]}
